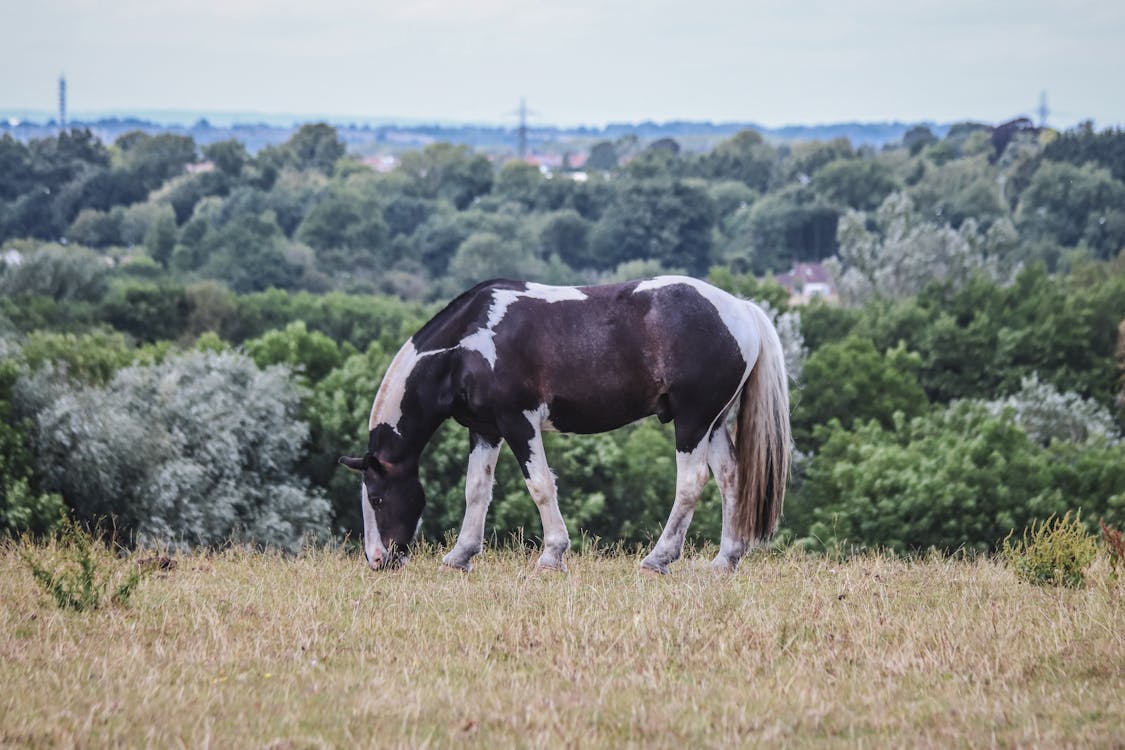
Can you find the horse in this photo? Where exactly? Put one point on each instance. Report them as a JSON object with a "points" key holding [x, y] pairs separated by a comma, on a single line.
{"points": [[509, 360]]}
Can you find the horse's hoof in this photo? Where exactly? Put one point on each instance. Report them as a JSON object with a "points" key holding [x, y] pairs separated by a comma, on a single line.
{"points": [[559, 567], [653, 572], [723, 567], [450, 568]]}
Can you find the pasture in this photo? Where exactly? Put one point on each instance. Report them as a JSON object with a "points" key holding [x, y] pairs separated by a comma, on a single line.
{"points": [[243, 649]]}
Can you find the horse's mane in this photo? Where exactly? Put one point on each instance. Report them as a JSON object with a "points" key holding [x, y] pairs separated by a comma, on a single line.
{"points": [[449, 326]]}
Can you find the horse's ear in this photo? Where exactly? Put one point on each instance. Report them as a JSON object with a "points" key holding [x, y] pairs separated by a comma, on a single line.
{"points": [[355, 464]]}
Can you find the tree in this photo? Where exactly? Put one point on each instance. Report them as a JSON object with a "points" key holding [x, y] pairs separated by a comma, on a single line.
{"points": [[193, 451], [314, 146], [228, 156], [249, 254], [850, 381], [567, 235], [152, 160], [445, 171], [148, 311], [917, 138], [905, 253], [345, 219], [960, 190], [669, 222], [15, 168], [484, 255], [745, 157], [603, 156], [23, 508], [1075, 205], [861, 184], [310, 354], [953, 478], [64, 274], [793, 224]]}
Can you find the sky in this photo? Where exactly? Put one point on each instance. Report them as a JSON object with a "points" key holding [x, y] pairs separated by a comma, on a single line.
{"points": [[577, 62]]}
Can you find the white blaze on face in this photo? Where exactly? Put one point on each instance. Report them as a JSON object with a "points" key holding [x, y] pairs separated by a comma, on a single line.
{"points": [[732, 311], [483, 339], [372, 542]]}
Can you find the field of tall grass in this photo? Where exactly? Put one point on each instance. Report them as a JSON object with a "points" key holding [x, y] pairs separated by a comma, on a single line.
{"points": [[241, 649]]}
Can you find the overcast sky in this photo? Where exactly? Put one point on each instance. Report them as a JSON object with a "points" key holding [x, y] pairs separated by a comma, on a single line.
{"points": [[576, 62]]}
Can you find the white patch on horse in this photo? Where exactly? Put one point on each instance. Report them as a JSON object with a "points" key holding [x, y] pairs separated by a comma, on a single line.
{"points": [[482, 340], [372, 542], [732, 311], [541, 484], [387, 407]]}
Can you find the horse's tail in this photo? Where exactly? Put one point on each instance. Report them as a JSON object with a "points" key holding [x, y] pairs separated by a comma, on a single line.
{"points": [[763, 440]]}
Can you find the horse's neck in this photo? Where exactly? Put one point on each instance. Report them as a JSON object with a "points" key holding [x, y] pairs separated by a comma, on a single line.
{"points": [[394, 418]]}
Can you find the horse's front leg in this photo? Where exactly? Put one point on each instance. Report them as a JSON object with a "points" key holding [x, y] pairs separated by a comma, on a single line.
{"points": [[691, 476], [526, 441], [479, 479]]}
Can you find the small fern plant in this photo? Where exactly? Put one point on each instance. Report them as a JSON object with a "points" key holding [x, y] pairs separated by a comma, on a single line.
{"points": [[79, 574], [1053, 552]]}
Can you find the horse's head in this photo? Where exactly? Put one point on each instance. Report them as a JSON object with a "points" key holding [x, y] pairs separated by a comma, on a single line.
{"points": [[392, 502]]}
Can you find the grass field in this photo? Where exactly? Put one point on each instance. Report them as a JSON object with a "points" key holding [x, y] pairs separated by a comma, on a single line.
{"points": [[255, 650]]}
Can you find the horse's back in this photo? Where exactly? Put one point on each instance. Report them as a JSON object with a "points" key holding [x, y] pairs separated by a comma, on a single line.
{"points": [[597, 357]]}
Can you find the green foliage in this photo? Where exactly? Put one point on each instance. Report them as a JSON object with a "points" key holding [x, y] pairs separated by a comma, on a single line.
{"points": [[448, 172], [850, 381], [309, 353], [1073, 205], [1083, 145], [961, 477], [861, 184], [750, 287], [80, 580], [790, 225], [23, 510], [89, 358], [62, 273], [147, 311], [669, 222], [1054, 552], [745, 157], [190, 451]]}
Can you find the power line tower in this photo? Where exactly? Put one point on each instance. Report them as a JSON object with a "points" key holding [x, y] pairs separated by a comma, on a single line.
{"points": [[1043, 111], [62, 103], [523, 112]]}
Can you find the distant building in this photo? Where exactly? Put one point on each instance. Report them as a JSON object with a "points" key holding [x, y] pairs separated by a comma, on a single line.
{"points": [[806, 282]]}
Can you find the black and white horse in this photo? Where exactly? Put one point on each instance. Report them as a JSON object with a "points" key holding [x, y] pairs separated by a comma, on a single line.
{"points": [[510, 359]]}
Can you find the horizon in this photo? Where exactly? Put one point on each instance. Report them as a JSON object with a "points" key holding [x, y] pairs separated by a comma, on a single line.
{"points": [[188, 118], [578, 64]]}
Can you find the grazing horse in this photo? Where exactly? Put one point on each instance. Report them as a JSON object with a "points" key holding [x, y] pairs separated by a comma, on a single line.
{"points": [[510, 359]]}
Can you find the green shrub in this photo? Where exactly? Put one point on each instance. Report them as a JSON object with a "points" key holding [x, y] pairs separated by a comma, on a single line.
{"points": [[79, 570], [1053, 552]]}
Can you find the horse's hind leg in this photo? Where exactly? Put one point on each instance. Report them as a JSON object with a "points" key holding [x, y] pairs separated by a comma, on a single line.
{"points": [[691, 476], [479, 479], [724, 466]]}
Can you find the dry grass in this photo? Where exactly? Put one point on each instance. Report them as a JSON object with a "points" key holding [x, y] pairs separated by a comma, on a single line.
{"points": [[243, 649]]}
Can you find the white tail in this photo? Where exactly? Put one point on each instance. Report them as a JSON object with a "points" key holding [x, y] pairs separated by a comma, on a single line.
{"points": [[763, 441]]}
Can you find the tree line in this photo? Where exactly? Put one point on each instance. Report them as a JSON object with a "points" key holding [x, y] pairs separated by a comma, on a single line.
{"points": [[190, 337]]}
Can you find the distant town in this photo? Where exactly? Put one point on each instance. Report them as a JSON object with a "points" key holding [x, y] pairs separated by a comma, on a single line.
{"points": [[369, 138]]}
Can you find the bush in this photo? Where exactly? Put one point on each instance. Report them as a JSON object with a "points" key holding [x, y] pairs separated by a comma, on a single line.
{"points": [[1053, 552], [194, 450], [79, 572], [953, 478]]}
